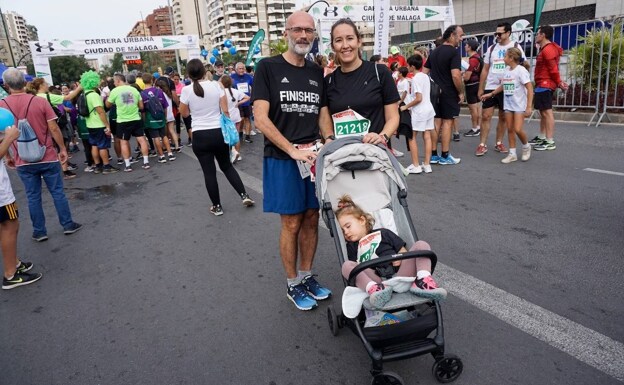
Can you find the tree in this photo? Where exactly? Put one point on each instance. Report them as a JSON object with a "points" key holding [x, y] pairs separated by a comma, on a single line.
{"points": [[228, 58], [278, 47], [115, 66], [67, 69]]}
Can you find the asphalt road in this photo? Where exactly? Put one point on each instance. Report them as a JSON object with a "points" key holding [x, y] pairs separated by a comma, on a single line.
{"points": [[155, 290]]}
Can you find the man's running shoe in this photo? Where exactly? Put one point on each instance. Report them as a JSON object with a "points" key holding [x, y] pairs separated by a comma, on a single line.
{"points": [[300, 297], [162, 159], [315, 289], [24, 267], [72, 228], [449, 160], [481, 150], [69, 174], [472, 132], [146, 166], [152, 154], [89, 169], [39, 238], [427, 288], [71, 166], [456, 137], [379, 295], [120, 161], [171, 157], [247, 201], [97, 169], [128, 169], [217, 210], [501, 148], [545, 146], [20, 279], [536, 140], [434, 159], [135, 159]]}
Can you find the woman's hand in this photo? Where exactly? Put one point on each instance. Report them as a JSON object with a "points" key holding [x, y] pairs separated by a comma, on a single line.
{"points": [[528, 112], [373, 138]]}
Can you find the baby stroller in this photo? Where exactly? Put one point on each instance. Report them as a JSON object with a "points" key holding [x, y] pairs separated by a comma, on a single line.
{"points": [[374, 179]]}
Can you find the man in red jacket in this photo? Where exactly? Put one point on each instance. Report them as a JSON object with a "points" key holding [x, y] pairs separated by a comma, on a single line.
{"points": [[547, 80]]}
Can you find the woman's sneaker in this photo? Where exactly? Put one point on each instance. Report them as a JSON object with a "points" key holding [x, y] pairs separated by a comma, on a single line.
{"points": [[24, 267], [428, 288], [315, 289], [300, 297], [427, 168], [217, 210], [414, 169], [247, 201], [379, 295], [509, 158]]}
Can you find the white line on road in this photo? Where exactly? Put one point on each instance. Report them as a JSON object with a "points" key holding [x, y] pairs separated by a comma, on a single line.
{"points": [[604, 171], [580, 342]]}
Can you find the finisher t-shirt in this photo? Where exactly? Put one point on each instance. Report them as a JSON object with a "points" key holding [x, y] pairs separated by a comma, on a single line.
{"points": [[442, 60], [126, 98], [243, 84], [494, 56], [93, 101], [514, 90], [295, 95], [362, 92]]}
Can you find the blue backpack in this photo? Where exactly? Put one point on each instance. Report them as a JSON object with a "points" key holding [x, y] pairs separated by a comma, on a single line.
{"points": [[28, 147]]}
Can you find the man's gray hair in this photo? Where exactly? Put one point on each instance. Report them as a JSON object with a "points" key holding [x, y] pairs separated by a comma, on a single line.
{"points": [[14, 79]]}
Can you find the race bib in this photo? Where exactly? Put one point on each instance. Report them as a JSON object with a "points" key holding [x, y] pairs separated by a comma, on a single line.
{"points": [[305, 169], [350, 123], [509, 87], [367, 247], [243, 87], [498, 67]]}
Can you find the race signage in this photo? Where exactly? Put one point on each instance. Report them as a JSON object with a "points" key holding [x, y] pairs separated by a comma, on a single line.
{"points": [[395, 13], [103, 46], [132, 56]]}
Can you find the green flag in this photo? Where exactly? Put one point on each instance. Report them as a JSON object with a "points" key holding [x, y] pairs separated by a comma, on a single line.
{"points": [[539, 5]]}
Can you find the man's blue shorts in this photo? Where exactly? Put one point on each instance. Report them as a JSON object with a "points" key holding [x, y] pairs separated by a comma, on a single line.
{"points": [[98, 138], [284, 190]]}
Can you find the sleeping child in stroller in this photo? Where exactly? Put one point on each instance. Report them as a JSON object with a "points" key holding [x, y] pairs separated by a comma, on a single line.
{"points": [[364, 242]]}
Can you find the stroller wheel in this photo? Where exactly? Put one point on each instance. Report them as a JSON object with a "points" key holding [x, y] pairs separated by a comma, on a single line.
{"points": [[448, 368], [332, 319], [387, 378]]}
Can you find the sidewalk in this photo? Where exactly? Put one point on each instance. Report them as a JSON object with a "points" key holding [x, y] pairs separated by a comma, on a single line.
{"points": [[572, 117]]}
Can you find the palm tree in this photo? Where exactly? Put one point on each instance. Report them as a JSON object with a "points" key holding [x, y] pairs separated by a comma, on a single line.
{"points": [[278, 47]]}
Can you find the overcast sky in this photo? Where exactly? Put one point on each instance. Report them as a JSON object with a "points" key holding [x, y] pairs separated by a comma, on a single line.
{"points": [[81, 19]]}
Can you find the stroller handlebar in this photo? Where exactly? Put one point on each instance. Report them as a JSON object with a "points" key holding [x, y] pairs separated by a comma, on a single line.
{"points": [[392, 258]]}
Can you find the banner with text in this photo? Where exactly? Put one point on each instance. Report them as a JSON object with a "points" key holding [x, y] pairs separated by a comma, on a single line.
{"points": [[366, 13], [112, 45], [382, 27]]}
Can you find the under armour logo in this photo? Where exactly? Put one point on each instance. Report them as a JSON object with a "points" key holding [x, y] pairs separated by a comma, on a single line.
{"points": [[331, 11], [49, 47]]}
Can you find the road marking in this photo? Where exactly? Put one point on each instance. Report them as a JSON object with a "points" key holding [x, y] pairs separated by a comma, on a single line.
{"points": [[604, 171], [580, 342]]}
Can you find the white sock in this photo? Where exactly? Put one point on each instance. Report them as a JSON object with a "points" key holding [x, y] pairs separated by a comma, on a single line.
{"points": [[127, 161], [170, 153], [478, 127], [302, 274], [370, 285], [422, 274], [525, 146], [512, 151], [541, 136]]}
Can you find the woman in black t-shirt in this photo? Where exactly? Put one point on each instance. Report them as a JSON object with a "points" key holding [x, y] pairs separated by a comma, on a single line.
{"points": [[364, 87]]}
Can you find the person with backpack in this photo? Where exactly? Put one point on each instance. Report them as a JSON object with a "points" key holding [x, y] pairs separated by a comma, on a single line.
{"points": [[471, 84], [155, 117], [91, 110], [491, 76], [37, 158]]}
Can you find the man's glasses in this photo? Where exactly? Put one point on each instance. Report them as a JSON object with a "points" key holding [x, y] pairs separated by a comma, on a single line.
{"points": [[499, 34], [308, 31]]}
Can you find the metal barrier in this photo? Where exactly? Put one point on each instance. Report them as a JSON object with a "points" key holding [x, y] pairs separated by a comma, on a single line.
{"points": [[594, 85], [614, 82]]}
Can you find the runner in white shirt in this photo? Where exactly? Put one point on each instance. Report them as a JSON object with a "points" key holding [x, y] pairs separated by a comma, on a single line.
{"points": [[517, 89]]}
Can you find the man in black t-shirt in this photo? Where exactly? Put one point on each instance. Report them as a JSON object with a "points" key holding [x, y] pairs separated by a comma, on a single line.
{"points": [[287, 97], [444, 67]]}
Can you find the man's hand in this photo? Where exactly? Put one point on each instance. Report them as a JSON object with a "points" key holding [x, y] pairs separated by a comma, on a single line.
{"points": [[303, 155], [564, 86], [461, 98], [62, 155], [373, 138]]}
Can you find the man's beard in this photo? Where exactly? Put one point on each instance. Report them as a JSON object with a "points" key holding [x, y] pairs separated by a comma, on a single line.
{"points": [[298, 49]]}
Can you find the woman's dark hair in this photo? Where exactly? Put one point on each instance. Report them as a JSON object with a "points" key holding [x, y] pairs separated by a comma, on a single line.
{"points": [[375, 58], [111, 84], [163, 84], [415, 61], [349, 22], [394, 66], [227, 84], [196, 72], [403, 71]]}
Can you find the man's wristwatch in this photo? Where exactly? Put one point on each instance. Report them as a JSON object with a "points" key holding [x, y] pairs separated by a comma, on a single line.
{"points": [[385, 137]]}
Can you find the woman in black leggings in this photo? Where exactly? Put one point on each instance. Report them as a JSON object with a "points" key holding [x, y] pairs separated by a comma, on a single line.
{"points": [[205, 100]]}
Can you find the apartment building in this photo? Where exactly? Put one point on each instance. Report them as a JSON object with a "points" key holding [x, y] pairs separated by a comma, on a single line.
{"points": [[159, 23], [15, 40]]}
